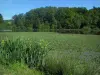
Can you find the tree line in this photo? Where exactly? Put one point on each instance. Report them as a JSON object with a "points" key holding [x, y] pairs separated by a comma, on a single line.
{"points": [[57, 18]]}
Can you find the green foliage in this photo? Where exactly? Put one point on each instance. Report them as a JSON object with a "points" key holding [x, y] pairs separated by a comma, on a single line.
{"points": [[32, 53], [47, 19], [6, 25], [41, 27], [1, 18], [18, 22], [29, 29], [86, 30], [71, 54], [53, 28], [51, 18], [95, 30], [70, 31], [18, 69], [44, 27], [72, 63]]}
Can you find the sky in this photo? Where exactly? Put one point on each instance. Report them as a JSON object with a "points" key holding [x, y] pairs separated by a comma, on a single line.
{"points": [[8, 8]]}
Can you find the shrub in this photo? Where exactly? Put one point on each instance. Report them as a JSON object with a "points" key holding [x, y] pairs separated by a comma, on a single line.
{"points": [[98, 33], [86, 30], [72, 31], [95, 30]]}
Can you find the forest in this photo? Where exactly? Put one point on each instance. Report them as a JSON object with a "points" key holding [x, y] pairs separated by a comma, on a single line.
{"points": [[52, 19]]}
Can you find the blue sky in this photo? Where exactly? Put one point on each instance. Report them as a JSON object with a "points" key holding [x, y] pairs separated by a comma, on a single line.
{"points": [[8, 8]]}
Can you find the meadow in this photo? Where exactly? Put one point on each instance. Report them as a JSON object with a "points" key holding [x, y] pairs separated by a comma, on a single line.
{"points": [[52, 53]]}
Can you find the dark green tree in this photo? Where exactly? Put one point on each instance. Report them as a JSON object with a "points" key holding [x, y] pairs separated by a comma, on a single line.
{"points": [[53, 19], [1, 18]]}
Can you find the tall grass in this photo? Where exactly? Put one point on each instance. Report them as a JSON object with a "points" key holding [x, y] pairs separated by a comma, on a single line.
{"points": [[23, 50], [57, 54], [18, 69], [72, 63]]}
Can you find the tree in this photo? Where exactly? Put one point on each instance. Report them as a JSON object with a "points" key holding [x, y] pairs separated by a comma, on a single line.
{"points": [[41, 27], [54, 24], [46, 27], [52, 18], [1, 18], [77, 21], [36, 24], [19, 22], [86, 30]]}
